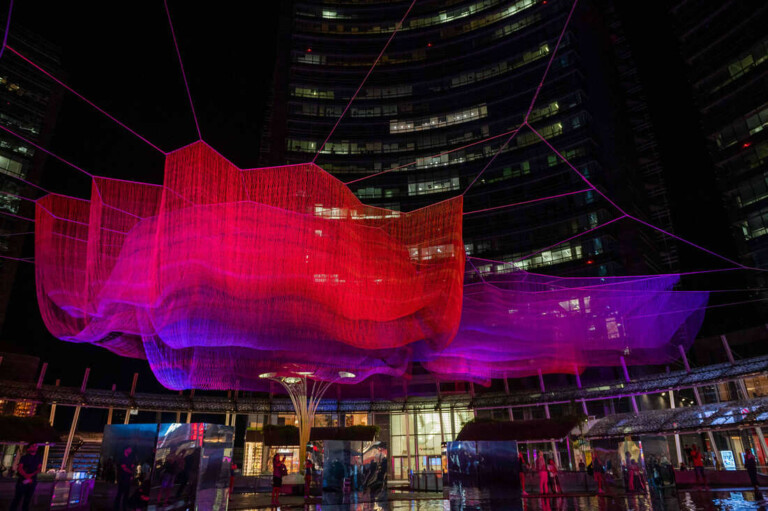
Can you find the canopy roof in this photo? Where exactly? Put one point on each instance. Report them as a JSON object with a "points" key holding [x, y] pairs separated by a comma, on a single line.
{"points": [[522, 431]]}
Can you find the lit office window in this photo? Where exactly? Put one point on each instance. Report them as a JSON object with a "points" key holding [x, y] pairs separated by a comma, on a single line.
{"points": [[433, 186], [439, 121]]}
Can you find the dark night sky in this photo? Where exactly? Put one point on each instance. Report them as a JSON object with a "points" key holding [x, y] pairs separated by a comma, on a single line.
{"points": [[120, 55]]}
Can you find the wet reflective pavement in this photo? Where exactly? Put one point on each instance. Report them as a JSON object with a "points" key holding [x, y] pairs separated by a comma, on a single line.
{"points": [[720, 500]]}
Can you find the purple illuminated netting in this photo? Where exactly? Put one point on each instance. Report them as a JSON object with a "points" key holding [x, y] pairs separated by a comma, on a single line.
{"points": [[518, 323]]}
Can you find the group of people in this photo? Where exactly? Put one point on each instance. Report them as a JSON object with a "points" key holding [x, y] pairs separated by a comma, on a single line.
{"points": [[549, 481], [280, 469]]}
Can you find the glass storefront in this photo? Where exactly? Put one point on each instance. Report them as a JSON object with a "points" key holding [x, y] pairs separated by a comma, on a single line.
{"points": [[416, 439]]}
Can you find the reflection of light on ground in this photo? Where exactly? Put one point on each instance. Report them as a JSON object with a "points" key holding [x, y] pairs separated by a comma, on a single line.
{"points": [[729, 500]]}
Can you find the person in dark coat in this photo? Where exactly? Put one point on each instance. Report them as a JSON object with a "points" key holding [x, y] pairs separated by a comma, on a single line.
{"points": [[30, 465], [751, 465]]}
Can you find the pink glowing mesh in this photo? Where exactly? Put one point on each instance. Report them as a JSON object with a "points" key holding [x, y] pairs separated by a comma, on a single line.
{"points": [[221, 275], [516, 324]]}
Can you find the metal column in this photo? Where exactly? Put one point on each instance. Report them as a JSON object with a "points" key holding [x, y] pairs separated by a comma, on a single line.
{"points": [[555, 452], [698, 402], [678, 449], [133, 391], [47, 448], [73, 427], [633, 399], [578, 384]]}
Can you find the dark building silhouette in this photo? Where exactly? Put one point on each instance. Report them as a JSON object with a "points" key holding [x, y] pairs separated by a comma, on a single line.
{"points": [[29, 105], [725, 47], [456, 75]]}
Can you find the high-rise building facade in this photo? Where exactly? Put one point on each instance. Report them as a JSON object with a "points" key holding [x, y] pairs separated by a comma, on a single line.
{"points": [[29, 104], [455, 75], [725, 46]]}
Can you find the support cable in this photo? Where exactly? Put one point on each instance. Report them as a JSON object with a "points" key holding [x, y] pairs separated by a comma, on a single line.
{"points": [[533, 100], [428, 157], [549, 63], [7, 29], [183, 73], [632, 217], [527, 202], [19, 259], [46, 151], [394, 32], [91, 103]]}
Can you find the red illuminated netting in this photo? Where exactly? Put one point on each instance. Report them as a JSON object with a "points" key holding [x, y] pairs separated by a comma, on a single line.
{"points": [[223, 274]]}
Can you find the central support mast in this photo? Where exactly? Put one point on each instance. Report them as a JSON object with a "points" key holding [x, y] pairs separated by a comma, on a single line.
{"points": [[305, 398]]}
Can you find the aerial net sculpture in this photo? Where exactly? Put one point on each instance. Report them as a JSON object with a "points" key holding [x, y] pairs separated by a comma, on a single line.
{"points": [[517, 324], [223, 275]]}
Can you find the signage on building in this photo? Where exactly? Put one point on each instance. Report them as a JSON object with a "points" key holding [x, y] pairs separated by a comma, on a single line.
{"points": [[728, 461]]}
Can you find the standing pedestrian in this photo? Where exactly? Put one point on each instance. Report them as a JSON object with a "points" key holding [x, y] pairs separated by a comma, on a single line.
{"points": [[698, 465], [126, 466], [232, 470], [30, 465], [555, 480], [308, 467], [278, 471], [523, 469], [541, 468], [599, 471], [751, 465]]}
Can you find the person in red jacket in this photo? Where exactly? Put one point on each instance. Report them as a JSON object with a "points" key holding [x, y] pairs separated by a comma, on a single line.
{"points": [[698, 465]]}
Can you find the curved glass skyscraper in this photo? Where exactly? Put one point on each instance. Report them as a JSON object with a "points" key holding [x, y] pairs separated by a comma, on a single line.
{"points": [[456, 74]]}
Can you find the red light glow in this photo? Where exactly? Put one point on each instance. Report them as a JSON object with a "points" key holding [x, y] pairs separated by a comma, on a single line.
{"points": [[222, 274]]}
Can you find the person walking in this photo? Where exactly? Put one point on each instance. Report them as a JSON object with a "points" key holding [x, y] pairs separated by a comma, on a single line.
{"points": [[554, 479], [308, 467], [698, 465], [541, 468], [750, 463], [125, 469], [278, 471], [30, 465], [523, 469], [599, 472]]}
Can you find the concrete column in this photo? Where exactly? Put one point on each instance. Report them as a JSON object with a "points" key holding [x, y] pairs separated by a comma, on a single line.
{"points": [[42, 375], [192, 395], [678, 449], [47, 448], [763, 446], [506, 390], [553, 444], [416, 440], [73, 426], [408, 439], [632, 399], [111, 410], [698, 402], [133, 392], [578, 384], [472, 398], [442, 426], [543, 389]]}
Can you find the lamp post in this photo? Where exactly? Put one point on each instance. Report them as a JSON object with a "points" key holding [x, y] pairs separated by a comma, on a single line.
{"points": [[305, 399]]}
